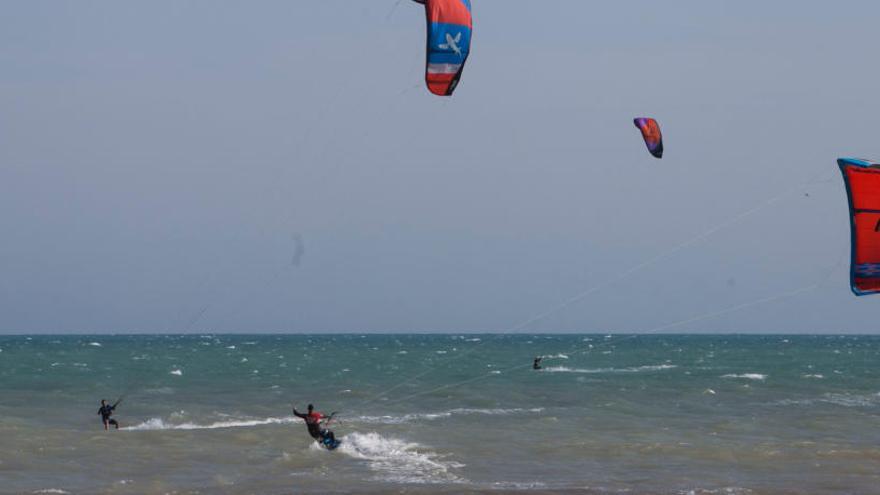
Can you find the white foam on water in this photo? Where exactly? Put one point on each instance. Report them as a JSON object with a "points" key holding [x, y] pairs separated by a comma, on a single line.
{"points": [[176, 372], [815, 375], [398, 461], [634, 369], [154, 424], [655, 367], [160, 390], [728, 490], [566, 369], [519, 485], [51, 490], [747, 376], [407, 418], [555, 356], [850, 400], [95, 344]]}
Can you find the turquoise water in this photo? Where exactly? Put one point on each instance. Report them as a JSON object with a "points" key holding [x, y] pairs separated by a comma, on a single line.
{"points": [[442, 413]]}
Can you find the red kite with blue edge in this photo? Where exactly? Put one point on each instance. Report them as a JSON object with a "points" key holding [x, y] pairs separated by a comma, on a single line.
{"points": [[862, 180], [651, 133]]}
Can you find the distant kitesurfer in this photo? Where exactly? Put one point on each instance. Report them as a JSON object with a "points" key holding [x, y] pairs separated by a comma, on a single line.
{"points": [[315, 423], [106, 411], [537, 364]]}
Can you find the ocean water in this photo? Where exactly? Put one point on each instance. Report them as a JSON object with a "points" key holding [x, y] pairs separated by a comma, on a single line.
{"points": [[443, 414]]}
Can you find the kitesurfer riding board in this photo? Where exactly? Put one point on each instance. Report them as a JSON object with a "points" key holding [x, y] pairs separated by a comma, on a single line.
{"points": [[106, 411], [316, 423]]}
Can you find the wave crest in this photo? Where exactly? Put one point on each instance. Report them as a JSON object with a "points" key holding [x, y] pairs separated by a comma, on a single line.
{"points": [[747, 376], [154, 424], [407, 418]]}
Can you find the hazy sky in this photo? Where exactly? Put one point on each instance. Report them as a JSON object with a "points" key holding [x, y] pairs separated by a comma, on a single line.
{"points": [[211, 166]]}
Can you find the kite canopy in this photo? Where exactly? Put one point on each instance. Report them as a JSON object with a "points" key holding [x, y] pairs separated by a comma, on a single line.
{"points": [[862, 179], [449, 43], [651, 133]]}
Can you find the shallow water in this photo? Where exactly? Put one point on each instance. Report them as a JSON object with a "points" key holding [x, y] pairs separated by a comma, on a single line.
{"points": [[442, 413]]}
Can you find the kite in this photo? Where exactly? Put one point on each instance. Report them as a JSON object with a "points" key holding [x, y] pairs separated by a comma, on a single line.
{"points": [[862, 180], [651, 132], [449, 43]]}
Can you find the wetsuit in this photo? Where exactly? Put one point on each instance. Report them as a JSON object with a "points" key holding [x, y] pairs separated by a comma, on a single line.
{"points": [[313, 423], [106, 411], [537, 364]]}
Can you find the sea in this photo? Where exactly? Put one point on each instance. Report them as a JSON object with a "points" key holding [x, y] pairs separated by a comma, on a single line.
{"points": [[462, 413]]}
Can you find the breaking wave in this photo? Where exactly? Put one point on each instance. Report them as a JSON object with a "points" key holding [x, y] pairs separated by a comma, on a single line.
{"points": [[635, 369]]}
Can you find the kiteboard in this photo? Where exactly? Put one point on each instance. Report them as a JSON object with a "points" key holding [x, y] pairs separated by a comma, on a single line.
{"points": [[329, 443]]}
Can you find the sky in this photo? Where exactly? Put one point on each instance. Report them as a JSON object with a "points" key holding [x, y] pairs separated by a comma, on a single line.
{"points": [[278, 166]]}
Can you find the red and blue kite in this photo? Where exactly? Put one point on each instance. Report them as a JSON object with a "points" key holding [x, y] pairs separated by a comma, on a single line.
{"points": [[862, 179], [449, 43], [651, 134]]}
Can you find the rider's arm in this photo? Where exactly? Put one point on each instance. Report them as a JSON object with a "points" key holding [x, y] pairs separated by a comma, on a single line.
{"points": [[298, 414]]}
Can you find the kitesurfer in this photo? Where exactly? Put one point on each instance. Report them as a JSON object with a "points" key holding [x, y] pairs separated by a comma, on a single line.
{"points": [[536, 365], [314, 421], [106, 411]]}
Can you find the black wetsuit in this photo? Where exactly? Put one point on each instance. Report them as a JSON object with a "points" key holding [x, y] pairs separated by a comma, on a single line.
{"points": [[537, 364], [106, 411]]}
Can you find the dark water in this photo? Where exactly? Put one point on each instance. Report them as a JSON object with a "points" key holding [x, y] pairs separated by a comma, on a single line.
{"points": [[442, 413]]}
